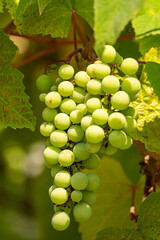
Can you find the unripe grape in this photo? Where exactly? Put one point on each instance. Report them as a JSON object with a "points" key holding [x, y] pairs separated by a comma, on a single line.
{"points": [[117, 138], [66, 158], [44, 83], [76, 196], [66, 71], [110, 84], [59, 138], [58, 80], [130, 111], [128, 143], [97, 62], [86, 122], [89, 197], [75, 133], [78, 95], [93, 182], [59, 196], [94, 87], [110, 150], [51, 189], [100, 116], [89, 96], [94, 134], [62, 121], [120, 100], [101, 70], [129, 66], [93, 147], [116, 120], [82, 107], [65, 88], [80, 151], [93, 104], [62, 179], [108, 54], [76, 116], [81, 78], [130, 125], [131, 85], [53, 99], [49, 114], [82, 212], [47, 143], [51, 155], [89, 70], [118, 60], [42, 97], [46, 129], [79, 181], [92, 162], [54, 88], [55, 169], [60, 221], [67, 106]]}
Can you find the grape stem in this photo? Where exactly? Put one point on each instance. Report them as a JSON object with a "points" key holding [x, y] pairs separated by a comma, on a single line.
{"points": [[141, 62], [132, 208]]}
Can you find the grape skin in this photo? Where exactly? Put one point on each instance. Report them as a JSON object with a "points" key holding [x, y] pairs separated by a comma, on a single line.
{"points": [[101, 70], [108, 54], [75, 133], [79, 181], [46, 129], [94, 87], [93, 182], [53, 99], [55, 169], [131, 85], [92, 162], [82, 212], [76, 196], [60, 221], [59, 196], [65, 88], [89, 70], [44, 83], [81, 78], [100, 116], [58, 138], [66, 71], [93, 147], [94, 134], [116, 120], [62, 121], [62, 179], [129, 66], [120, 100], [130, 125], [93, 104], [82, 107], [42, 97], [78, 95], [66, 158], [89, 197], [128, 143], [51, 155], [86, 122], [117, 138], [80, 151], [76, 116], [67, 106], [110, 84], [49, 114], [110, 150]]}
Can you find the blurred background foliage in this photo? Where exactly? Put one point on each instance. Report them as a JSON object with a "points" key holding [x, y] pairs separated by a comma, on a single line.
{"points": [[25, 207]]}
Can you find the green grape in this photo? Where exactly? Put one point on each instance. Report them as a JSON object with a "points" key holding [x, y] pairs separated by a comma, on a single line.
{"points": [[97, 62], [47, 142], [129, 66], [92, 162], [117, 138], [130, 125], [58, 138], [102, 150], [46, 129], [101, 70], [128, 143], [93, 147], [134, 97], [89, 70], [81, 78], [100, 116], [59, 196], [110, 84], [93, 182], [80, 151], [51, 155], [118, 60], [49, 114], [82, 212], [76, 196], [78, 95], [130, 111], [60, 221], [120, 100], [42, 97], [66, 158], [86, 122], [116, 120], [82, 107], [54, 88], [79, 181], [44, 83], [110, 150], [55, 169], [131, 85], [76, 116], [53, 99], [62, 121], [51, 189], [94, 87], [93, 104], [66, 71], [94, 134], [89, 96], [105, 100], [67, 106], [108, 54], [75, 133], [48, 165], [58, 80], [89, 197], [65, 88], [62, 179]]}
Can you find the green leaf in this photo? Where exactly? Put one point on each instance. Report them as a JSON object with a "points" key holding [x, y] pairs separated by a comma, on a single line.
{"points": [[113, 199], [42, 4], [54, 20], [147, 224], [85, 9], [147, 21], [11, 6], [153, 72], [146, 43], [1, 6], [111, 17], [14, 105]]}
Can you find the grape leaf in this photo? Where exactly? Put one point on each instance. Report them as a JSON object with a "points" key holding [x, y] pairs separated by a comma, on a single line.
{"points": [[14, 105], [54, 20], [11, 6], [42, 4], [111, 17], [113, 199], [147, 21], [147, 224], [1, 6], [85, 9], [146, 43]]}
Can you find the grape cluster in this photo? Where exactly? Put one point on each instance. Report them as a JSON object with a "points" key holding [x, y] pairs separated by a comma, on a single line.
{"points": [[87, 114]]}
